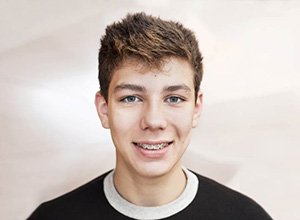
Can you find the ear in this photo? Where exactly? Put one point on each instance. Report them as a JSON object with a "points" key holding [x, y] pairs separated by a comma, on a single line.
{"points": [[197, 109], [102, 109]]}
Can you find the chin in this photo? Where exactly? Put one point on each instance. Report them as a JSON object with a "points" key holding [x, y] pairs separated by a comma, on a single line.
{"points": [[155, 169]]}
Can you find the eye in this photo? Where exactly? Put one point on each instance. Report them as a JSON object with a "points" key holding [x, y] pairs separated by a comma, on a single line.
{"points": [[174, 99], [131, 99]]}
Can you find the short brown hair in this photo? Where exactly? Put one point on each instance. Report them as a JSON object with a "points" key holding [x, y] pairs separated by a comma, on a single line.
{"points": [[149, 40]]}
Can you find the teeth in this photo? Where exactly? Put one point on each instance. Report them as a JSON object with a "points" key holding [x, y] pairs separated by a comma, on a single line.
{"points": [[152, 146]]}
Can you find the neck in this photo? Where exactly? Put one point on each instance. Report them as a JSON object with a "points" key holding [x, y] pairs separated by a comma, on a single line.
{"points": [[150, 191]]}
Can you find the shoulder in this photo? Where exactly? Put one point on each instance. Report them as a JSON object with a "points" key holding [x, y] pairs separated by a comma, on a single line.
{"points": [[221, 199], [73, 202]]}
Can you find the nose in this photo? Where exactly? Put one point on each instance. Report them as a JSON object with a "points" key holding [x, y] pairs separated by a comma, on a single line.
{"points": [[153, 117]]}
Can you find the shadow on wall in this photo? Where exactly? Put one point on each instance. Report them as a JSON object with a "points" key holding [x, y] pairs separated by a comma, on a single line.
{"points": [[222, 172]]}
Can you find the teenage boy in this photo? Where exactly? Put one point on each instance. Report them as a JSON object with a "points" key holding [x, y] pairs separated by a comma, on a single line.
{"points": [[150, 72]]}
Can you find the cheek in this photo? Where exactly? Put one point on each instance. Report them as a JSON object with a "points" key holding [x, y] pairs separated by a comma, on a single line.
{"points": [[122, 121], [182, 121]]}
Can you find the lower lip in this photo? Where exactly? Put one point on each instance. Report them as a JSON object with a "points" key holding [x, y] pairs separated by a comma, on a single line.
{"points": [[153, 154]]}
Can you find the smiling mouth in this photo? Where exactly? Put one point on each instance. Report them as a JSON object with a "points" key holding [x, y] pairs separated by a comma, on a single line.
{"points": [[153, 147]]}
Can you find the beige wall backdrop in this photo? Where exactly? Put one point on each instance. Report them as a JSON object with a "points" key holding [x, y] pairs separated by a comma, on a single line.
{"points": [[51, 140]]}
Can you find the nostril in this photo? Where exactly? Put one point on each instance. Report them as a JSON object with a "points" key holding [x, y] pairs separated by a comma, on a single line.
{"points": [[153, 122]]}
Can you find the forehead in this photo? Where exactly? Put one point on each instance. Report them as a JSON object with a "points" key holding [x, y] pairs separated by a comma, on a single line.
{"points": [[173, 69]]}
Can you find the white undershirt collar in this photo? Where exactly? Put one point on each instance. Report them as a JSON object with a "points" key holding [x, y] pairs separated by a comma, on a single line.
{"points": [[141, 212]]}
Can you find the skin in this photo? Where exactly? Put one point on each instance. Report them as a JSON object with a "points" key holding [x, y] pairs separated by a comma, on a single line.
{"points": [[150, 107]]}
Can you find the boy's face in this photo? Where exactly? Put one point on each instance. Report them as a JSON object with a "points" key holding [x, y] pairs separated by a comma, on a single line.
{"points": [[150, 114]]}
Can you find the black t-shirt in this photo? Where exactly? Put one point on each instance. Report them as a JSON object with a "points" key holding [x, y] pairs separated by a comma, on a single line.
{"points": [[213, 201]]}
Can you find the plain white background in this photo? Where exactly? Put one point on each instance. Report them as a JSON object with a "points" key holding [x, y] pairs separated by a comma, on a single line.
{"points": [[51, 140]]}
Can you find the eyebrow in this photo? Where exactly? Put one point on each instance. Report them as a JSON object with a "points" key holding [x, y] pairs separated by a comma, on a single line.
{"points": [[177, 87], [128, 86], [138, 88]]}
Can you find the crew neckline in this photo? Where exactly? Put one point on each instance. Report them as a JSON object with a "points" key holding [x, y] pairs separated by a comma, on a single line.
{"points": [[146, 213]]}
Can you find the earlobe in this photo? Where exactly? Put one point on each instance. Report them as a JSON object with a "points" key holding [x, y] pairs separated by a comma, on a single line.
{"points": [[102, 109], [197, 109]]}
